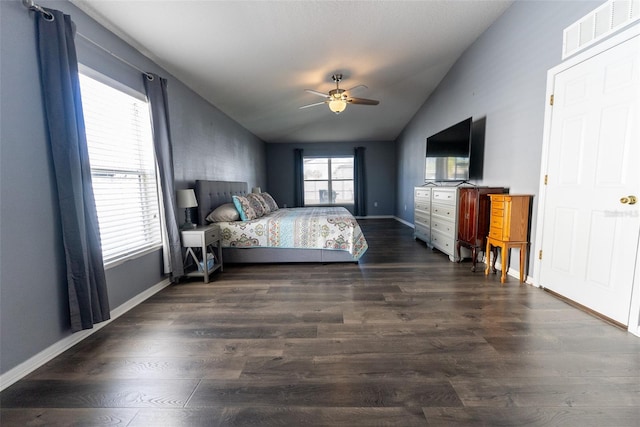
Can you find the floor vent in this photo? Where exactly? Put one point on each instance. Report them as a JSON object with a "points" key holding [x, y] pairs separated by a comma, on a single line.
{"points": [[609, 17]]}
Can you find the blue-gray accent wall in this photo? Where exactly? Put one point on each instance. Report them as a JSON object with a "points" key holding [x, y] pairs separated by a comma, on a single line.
{"points": [[500, 80], [207, 145], [380, 170]]}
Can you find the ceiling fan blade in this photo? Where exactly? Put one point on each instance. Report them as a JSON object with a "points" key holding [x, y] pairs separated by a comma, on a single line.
{"points": [[356, 87], [312, 105], [363, 101], [315, 92]]}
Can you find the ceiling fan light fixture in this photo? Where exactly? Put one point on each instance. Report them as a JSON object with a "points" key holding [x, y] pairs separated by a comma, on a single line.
{"points": [[337, 105]]}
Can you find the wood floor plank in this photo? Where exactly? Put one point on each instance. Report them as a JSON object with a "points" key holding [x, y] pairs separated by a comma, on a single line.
{"points": [[280, 416], [549, 391], [56, 417], [97, 394], [542, 417], [403, 338], [354, 393], [144, 368]]}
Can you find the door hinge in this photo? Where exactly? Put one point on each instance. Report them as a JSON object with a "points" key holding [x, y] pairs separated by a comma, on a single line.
{"points": [[546, 179], [540, 254], [551, 100]]}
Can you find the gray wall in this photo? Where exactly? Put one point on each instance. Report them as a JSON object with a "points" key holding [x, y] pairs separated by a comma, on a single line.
{"points": [[501, 80], [207, 145], [379, 166]]}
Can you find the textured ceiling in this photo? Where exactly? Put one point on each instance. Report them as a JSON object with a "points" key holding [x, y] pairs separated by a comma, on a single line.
{"points": [[253, 59]]}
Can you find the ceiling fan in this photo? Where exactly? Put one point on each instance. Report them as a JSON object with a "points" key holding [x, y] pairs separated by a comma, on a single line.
{"points": [[337, 99]]}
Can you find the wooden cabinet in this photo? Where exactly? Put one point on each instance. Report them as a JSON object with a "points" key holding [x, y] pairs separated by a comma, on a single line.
{"points": [[509, 228], [473, 219]]}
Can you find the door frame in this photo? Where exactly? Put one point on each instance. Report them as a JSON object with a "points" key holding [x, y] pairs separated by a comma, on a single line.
{"points": [[629, 33]]}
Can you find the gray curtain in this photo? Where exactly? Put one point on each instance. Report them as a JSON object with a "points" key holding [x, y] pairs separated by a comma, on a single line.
{"points": [[86, 283], [156, 88], [359, 183], [298, 178]]}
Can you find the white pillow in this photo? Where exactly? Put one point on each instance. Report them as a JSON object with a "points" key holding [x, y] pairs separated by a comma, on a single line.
{"points": [[224, 213]]}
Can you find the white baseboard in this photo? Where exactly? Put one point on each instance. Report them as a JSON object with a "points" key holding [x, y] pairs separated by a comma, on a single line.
{"points": [[25, 368], [407, 223], [511, 272], [375, 217]]}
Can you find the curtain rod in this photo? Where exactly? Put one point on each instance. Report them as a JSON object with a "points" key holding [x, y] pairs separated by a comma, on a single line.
{"points": [[124, 61], [31, 5]]}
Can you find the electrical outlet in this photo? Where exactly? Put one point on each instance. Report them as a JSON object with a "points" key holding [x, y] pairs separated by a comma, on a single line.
{"points": [[375, 204], [405, 207]]}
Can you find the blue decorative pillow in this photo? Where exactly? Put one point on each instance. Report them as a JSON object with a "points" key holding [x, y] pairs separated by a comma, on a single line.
{"points": [[244, 208]]}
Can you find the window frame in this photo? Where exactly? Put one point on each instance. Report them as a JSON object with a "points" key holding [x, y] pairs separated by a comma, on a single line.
{"points": [[330, 180], [155, 243]]}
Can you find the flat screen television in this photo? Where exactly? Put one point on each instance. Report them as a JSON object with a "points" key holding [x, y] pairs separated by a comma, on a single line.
{"points": [[448, 153]]}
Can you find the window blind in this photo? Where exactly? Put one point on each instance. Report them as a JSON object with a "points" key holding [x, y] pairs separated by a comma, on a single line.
{"points": [[120, 145]]}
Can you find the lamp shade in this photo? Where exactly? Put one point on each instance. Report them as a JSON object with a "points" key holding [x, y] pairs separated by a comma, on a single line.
{"points": [[186, 198], [256, 190], [337, 105]]}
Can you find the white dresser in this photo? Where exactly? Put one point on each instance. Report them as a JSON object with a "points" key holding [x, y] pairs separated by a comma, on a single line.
{"points": [[435, 218]]}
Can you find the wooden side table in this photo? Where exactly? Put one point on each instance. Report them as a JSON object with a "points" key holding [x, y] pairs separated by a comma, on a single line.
{"points": [[206, 239], [508, 228]]}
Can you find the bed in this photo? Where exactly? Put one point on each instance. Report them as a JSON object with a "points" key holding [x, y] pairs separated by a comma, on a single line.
{"points": [[324, 235]]}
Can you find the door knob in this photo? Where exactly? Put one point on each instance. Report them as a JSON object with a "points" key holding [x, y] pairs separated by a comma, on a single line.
{"points": [[632, 200]]}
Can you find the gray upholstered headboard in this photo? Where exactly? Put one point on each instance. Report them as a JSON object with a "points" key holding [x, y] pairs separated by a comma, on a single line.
{"points": [[211, 194]]}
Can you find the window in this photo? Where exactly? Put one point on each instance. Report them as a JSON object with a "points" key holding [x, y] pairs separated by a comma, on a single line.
{"points": [[123, 170], [328, 180]]}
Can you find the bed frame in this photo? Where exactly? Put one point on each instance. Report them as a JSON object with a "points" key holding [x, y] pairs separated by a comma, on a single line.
{"points": [[211, 194]]}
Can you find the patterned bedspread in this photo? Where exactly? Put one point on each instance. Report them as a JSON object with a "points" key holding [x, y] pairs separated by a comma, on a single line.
{"points": [[310, 228]]}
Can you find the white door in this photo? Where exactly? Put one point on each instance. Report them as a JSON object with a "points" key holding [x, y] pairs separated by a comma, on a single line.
{"points": [[590, 225]]}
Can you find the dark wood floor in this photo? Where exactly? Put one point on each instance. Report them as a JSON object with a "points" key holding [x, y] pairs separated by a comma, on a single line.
{"points": [[405, 338]]}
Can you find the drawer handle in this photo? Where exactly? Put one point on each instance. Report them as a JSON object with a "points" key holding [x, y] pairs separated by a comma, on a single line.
{"points": [[631, 200]]}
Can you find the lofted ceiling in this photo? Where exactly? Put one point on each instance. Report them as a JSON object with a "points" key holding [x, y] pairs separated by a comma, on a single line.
{"points": [[254, 59]]}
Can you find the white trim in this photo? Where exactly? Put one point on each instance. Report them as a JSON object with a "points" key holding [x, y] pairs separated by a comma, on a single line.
{"points": [[634, 310], [33, 363], [104, 79], [407, 223], [375, 217], [634, 31]]}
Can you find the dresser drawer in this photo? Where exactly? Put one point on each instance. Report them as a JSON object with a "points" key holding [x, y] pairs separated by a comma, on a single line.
{"points": [[497, 205], [444, 211], [423, 193], [445, 243], [499, 197], [422, 231], [444, 196], [421, 217], [211, 235], [445, 227], [497, 221], [422, 205], [496, 233]]}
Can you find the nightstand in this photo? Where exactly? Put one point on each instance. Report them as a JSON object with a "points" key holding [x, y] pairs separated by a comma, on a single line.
{"points": [[198, 242]]}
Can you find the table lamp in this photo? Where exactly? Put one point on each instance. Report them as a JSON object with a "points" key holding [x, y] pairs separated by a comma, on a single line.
{"points": [[187, 199]]}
